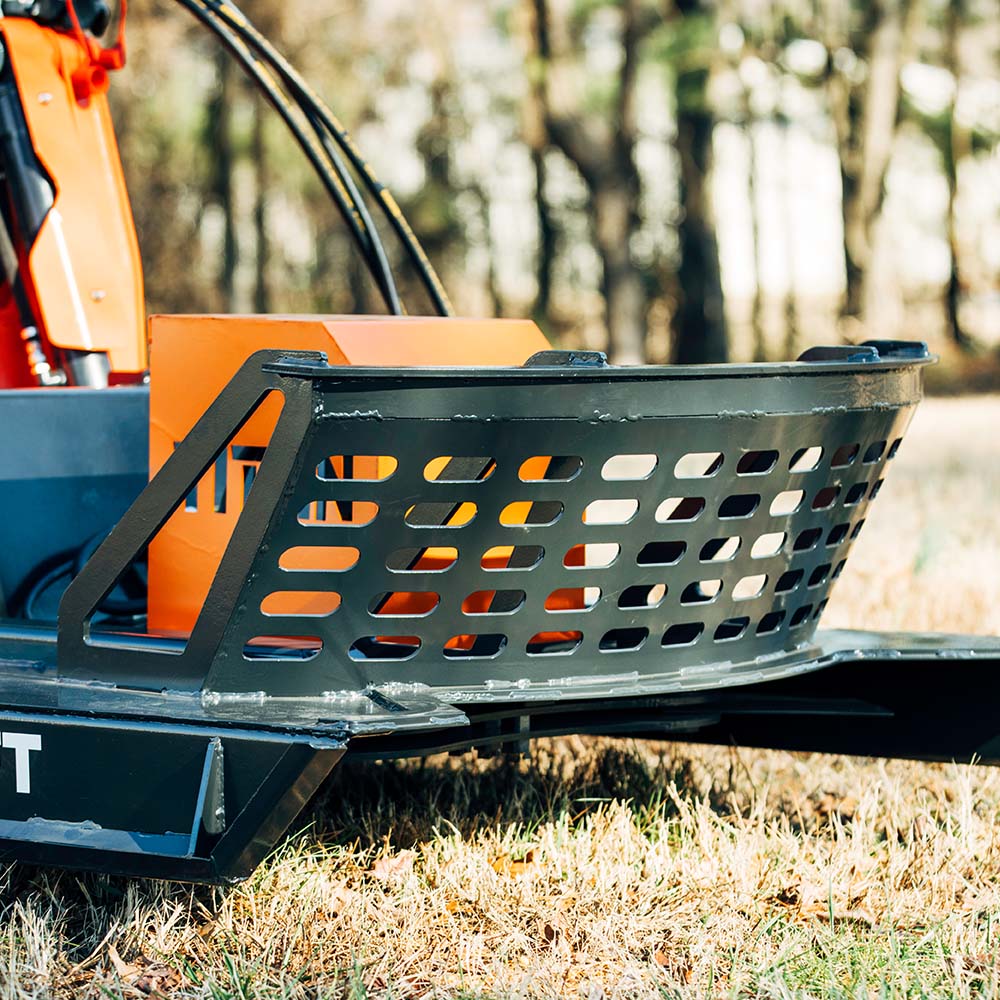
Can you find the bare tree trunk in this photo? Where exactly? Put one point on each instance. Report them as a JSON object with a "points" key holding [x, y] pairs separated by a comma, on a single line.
{"points": [[700, 321], [757, 307], [865, 115], [790, 311], [624, 295], [224, 162], [536, 139], [956, 144], [262, 248], [608, 169], [547, 239]]}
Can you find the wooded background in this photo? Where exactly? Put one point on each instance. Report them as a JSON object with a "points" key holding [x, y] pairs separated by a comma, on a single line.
{"points": [[677, 180]]}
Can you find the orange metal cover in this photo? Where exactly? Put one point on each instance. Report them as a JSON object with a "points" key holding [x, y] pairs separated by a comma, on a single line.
{"points": [[84, 264], [192, 359]]}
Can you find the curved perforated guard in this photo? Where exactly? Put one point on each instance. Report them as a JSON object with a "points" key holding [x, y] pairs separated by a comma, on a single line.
{"points": [[534, 532]]}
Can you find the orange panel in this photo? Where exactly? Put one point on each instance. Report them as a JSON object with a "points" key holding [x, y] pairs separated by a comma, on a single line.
{"points": [[193, 357], [84, 264]]}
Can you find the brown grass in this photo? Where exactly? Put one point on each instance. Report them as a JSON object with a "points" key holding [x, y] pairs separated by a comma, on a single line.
{"points": [[609, 869]]}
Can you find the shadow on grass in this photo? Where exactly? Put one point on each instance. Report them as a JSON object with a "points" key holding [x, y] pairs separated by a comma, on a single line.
{"points": [[368, 804], [408, 801]]}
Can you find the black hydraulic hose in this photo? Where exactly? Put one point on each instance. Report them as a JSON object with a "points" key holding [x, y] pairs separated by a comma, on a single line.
{"points": [[337, 181], [300, 88]]}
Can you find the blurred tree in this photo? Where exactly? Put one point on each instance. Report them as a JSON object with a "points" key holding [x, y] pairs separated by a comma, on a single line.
{"points": [[700, 318], [866, 46], [219, 139], [533, 125], [602, 148], [953, 145], [608, 202]]}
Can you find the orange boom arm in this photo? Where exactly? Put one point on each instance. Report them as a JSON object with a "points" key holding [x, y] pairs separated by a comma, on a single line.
{"points": [[75, 254]]}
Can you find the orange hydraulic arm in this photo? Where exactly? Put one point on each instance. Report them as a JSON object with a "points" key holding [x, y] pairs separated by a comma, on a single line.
{"points": [[71, 299]]}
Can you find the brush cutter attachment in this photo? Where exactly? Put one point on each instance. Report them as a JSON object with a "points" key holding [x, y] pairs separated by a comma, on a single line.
{"points": [[437, 558]]}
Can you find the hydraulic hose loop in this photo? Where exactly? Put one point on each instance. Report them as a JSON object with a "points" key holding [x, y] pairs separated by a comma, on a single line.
{"points": [[332, 173], [305, 95]]}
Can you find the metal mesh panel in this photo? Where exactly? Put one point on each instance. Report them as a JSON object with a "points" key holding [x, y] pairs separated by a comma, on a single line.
{"points": [[505, 554]]}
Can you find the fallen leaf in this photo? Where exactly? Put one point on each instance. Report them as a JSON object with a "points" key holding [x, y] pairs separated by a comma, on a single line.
{"points": [[394, 867], [678, 965], [158, 978], [124, 970], [145, 975], [515, 868]]}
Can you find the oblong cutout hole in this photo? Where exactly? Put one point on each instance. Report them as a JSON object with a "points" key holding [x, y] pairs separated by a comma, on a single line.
{"points": [[698, 465], [837, 534], [358, 468], [844, 455], [826, 498], [493, 602], [307, 603], [661, 553], [771, 622], [873, 453], [800, 616], [680, 509], [623, 640], [819, 575], [739, 505], [768, 545], [731, 628], [437, 559], [550, 468], [894, 447], [808, 539], [701, 592], [553, 643], [857, 529], [787, 502], [875, 489], [439, 514], [475, 647], [299, 648], [511, 557], [531, 513], [404, 603], [319, 558], [756, 463], [855, 494], [628, 467], [572, 599], [720, 549], [610, 511], [459, 469], [683, 634], [384, 647], [788, 581], [338, 513], [596, 555], [642, 596], [806, 459], [749, 587]]}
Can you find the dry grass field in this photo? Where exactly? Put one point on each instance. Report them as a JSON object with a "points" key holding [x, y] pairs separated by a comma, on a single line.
{"points": [[603, 869]]}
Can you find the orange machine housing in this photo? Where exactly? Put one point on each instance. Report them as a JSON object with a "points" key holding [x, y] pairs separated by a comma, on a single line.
{"points": [[85, 275], [193, 357]]}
